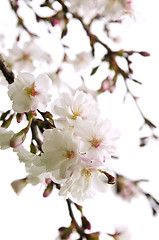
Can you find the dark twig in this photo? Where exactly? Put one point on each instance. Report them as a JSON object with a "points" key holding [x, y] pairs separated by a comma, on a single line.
{"points": [[79, 229], [8, 74], [35, 135]]}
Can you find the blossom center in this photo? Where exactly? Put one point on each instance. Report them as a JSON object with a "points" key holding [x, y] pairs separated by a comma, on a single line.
{"points": [[76, 113], [86, 173], [26, 57], [31, 91], [69, 154], [95, 142]]}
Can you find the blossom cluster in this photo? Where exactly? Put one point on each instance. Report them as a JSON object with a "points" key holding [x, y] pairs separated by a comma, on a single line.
{"points": [[109, 9], [76, 150], [75, 153]]}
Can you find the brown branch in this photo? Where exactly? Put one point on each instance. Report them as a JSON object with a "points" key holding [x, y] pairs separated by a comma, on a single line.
{"points": [[8, 74], [35, 134], [79, 229], [20, 22]]}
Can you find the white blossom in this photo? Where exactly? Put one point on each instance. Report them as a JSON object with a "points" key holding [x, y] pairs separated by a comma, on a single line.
{"points": [[127, 188], [98, 139], [25, 156], [35, 174], [60, 153], [84, 182], [110, 9], [28, 93], [114, 9], [83, 8], [80, 105], [82, 61], [5, 137], [25, 58]]}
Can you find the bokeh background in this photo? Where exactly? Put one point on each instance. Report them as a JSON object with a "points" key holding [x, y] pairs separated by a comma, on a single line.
{"points": [[29, 215]]}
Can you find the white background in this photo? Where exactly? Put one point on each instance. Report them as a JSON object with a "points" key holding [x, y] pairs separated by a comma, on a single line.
{"points": [[30, 216]]}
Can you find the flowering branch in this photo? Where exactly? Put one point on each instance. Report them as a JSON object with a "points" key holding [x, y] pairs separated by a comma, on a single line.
{"points": [[128, 189], [72, 151]]}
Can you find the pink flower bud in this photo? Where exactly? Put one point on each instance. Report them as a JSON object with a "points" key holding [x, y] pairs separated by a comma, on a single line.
{"points": [[19, 117], [48, 189], [145, 54], [48, 180], [17, 139]]}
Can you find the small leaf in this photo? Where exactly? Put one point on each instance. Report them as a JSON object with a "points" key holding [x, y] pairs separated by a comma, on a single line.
{"points": [[33, 148], [7, 122], [85, 223], [4, 115], [93, 236], [64, 32], [94, 70], [111, 179], [149, 123], [134, 80], [65, 232], [79, 207]]}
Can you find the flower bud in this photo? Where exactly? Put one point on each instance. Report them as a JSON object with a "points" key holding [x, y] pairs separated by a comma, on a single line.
{"points": [[18, 185], [17, 139], [19, 117], [48, 190], [48, 180], [144, 54]]}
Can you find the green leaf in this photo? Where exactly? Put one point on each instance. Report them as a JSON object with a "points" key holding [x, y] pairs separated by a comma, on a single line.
{"points": [[94, 70]]}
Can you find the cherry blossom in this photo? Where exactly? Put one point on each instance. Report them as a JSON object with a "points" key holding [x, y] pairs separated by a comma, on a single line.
{"points": [[81, 105], [98, 139], [82, 61], [25, 58], [114, 9], [60, 153], [110, 9], [28, 93], [85, 181]]}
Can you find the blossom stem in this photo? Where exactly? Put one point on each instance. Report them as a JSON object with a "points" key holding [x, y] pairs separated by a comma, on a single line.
{"points": [[74, 222]]}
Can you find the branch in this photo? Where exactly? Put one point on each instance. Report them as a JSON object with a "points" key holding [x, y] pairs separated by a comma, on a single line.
{"points": [[146, 121], [35, 134], [80, 230], [8, 74], [20, 22]]}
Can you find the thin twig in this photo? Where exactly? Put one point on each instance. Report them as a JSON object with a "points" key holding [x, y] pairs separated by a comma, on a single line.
{"points": [[77, 227]]}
